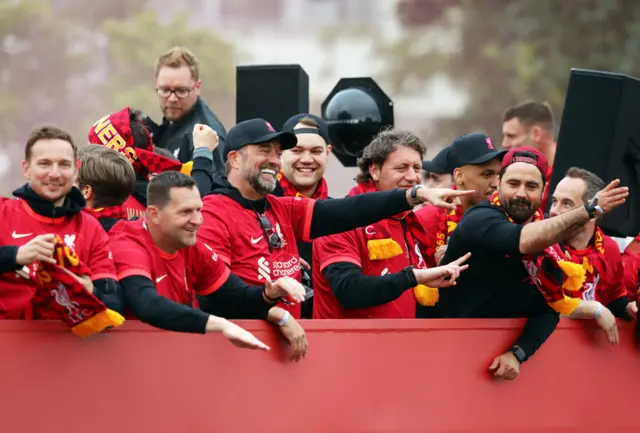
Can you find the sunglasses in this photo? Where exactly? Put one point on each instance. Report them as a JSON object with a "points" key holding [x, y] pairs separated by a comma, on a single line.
{"points": [[274, 238]]}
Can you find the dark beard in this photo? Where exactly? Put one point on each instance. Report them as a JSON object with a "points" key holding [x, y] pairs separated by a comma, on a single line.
{"points": [[520, 210]]}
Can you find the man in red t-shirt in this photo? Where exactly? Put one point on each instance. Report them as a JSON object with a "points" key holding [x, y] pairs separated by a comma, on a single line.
{"points": [[599, 254], [50, 205], [377, 271], [161, 268]]}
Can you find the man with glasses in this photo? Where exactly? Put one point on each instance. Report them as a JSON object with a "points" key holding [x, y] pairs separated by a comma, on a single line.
{"points": [[255, 232], [178, 87]]}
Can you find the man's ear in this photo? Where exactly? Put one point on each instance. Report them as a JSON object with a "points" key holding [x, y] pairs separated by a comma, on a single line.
{"points": [[87, 192], [374, 171], [329, 149], [458, 176], [153, 215]]}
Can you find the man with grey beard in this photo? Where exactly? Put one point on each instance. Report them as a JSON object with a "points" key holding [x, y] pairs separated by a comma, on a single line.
{"points": [[255, 232]]}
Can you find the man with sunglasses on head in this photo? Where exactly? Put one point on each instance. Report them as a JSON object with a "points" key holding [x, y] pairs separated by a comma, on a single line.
{"points": [[255, 232], [178, 87]]}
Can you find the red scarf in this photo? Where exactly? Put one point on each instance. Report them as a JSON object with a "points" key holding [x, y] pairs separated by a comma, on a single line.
{"points": [[551, 271], [78, 309], [592, 263], [115, 212], [114, 131], [321, 193], [381, 246]]}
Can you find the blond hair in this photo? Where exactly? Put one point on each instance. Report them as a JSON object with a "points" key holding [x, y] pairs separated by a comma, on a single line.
{"points": [[178, 57]]}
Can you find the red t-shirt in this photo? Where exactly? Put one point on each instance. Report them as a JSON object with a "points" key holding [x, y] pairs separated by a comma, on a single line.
{"points": [[631, 264], [21, 224], [134, 208], [178, 276], [235, 234], [351, 247], [606, 283]]}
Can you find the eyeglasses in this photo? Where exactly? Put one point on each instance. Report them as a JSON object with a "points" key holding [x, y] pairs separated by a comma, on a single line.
{"points": [[274, 238], [180, 93]]}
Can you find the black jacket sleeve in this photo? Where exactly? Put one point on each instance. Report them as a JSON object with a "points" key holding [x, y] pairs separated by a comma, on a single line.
{"points": [[202, 172], [344, 214], [542, 321], [489, 227], [142, 298], [355, 290], [619, 308], [236, 300], [8, 255], [108, 291]]}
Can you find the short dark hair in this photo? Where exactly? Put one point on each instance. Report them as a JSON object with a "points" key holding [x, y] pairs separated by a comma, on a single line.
{"points": [[164, 152], [48, 133], [592, 181], [138, 130], [383, 145], [109, 174], [532, 113], [159, 188]]}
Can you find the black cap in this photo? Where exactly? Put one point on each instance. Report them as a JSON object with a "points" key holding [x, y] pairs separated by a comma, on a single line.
{"points": [[256, 131], [472, 149], [322, 130], [438, 164]]}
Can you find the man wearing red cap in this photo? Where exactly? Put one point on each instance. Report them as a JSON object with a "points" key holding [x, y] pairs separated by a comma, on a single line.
{"points": [[516, 267]]}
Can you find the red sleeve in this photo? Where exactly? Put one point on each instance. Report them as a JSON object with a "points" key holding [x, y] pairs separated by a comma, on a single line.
{"points": [[301, 213], [208, 269], [215, 232], [341, 247], [428, 217], [100, 261], [611, 273], [131, 258]]}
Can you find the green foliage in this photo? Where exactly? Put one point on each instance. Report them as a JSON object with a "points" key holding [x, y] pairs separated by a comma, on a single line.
{"points": [[38, 60], [503, 52], [136, 43]]}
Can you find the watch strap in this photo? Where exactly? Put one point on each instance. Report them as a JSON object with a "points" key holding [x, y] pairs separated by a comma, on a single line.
{"points": [[520, 355]]}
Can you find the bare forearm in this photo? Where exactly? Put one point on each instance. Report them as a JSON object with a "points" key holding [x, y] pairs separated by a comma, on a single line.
{"points": [[539, 235], [585, 310], [276, 314]]}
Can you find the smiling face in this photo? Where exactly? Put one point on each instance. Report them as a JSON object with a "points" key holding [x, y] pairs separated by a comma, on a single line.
{"points": [[259, 164], [51, 169], [401, 169], [520, 190], [305, 164], [180, 218]]}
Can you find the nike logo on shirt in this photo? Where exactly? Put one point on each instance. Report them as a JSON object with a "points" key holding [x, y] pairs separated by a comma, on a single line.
{"points": [[161, 278], [18, 236], [255, 241]]}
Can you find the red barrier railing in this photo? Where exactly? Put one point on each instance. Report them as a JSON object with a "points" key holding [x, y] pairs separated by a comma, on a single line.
{"points": [[360, 376]]}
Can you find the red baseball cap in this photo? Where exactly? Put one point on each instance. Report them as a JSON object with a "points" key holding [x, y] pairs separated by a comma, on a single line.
{"points": [[528, 155]]}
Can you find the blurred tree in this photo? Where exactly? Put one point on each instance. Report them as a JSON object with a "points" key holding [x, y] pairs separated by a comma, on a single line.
{"points": [[134, 45], [38, 65], [503, 52]]}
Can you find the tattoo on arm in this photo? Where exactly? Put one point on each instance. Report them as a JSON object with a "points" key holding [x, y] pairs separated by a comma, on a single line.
{"points": [[539, 235]]}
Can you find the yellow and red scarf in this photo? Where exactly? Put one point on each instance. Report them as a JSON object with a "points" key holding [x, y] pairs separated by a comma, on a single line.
{"points": [[77, 308], [115, 212], [289, 190], [551, 271], [381, 246]]}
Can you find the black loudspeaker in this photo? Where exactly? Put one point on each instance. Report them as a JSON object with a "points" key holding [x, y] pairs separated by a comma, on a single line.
{"points": [[272, 92], [600, 132], [355, 111]]}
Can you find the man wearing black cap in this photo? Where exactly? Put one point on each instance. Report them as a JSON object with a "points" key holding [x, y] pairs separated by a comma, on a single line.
{"points": [[255, 232], [474, 164], [302, 175], [435, 173]]}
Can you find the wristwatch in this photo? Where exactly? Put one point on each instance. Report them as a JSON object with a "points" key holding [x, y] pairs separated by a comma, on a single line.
{"points": [[593, 209], [413, 195], [518, 353]]}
